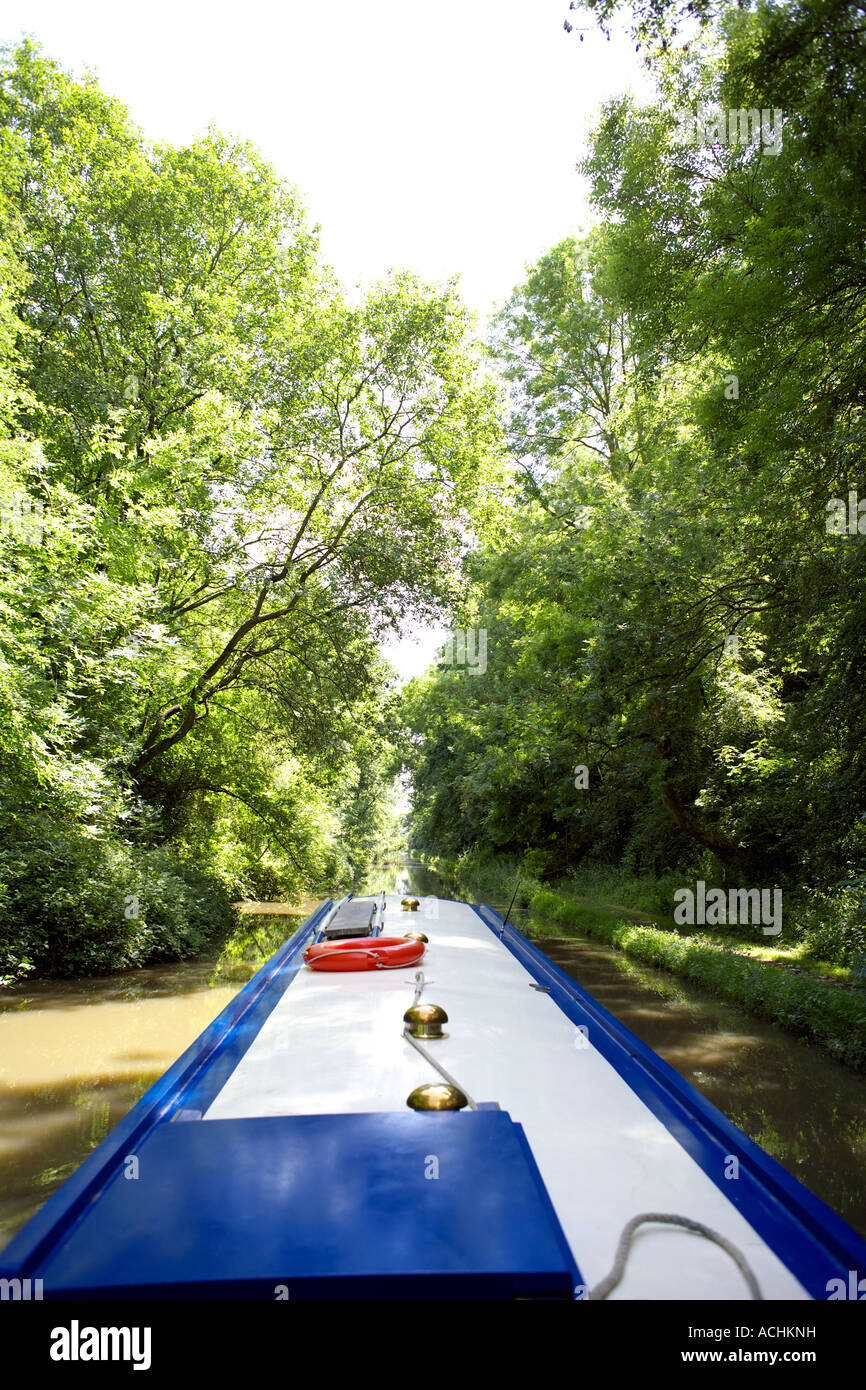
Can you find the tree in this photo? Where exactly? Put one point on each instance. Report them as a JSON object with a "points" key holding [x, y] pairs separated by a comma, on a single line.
{"points": [[245, 482]]}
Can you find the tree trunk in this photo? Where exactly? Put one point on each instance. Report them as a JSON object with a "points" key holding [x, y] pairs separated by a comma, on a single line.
{"points": [[729, 853]]}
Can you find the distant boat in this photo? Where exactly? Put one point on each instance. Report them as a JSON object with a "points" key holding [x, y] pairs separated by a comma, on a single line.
{"points": [[443, 1118]]}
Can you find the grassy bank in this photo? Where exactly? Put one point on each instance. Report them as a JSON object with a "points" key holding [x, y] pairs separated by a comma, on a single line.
{"points": [[733, 968], [833, 1018]]}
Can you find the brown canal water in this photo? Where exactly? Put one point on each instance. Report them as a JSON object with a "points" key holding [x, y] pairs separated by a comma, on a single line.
{"points": [[75, 1055]]}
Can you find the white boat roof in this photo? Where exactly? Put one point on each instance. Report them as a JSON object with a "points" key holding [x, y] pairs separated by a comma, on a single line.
{"points": [[333, 1044]]}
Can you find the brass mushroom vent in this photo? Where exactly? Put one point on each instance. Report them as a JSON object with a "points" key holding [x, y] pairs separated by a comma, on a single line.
{"points": [[437, 1095], [425, 1021]]}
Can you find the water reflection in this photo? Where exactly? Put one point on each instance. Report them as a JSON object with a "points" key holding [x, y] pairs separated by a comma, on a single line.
{"points": [[75, 1055]]}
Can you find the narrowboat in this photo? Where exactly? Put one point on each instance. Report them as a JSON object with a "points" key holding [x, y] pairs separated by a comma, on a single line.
{"points": [[410, 1101]]}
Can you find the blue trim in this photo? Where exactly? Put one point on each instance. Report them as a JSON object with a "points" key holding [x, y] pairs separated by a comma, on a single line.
{"points": [[165, 1096], [381, 904], [810, 1239], [202, 1089]]}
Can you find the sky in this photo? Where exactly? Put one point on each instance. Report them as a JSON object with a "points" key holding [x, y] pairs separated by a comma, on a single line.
{"points": [[441, 137]]}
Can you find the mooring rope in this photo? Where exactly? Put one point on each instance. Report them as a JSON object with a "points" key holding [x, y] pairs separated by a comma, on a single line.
{"points": [[441, 1070], [610, 1281]]}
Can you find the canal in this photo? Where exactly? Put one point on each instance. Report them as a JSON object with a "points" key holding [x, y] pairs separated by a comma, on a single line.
{"points": [[76, 1054]]}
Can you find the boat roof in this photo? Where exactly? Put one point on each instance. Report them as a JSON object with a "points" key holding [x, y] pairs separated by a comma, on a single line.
{"points": [[590, 1125], [603, 1154]]}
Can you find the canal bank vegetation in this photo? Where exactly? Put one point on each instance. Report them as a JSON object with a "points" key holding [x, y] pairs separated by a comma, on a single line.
{"points": [[222, 485], [789, 986], [814, 1009], [673, 617]]}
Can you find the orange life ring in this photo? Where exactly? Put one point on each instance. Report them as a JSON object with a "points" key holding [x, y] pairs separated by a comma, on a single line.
{"points": [[364, 953]]}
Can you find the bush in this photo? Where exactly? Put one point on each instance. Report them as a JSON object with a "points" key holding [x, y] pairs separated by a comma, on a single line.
{"points": [[477, 874], [652, 894], [834, 926], [73, 904]]}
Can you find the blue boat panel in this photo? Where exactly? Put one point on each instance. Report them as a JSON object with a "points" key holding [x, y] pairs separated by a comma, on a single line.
{"points": [[447, 1204], [810, 1239]]}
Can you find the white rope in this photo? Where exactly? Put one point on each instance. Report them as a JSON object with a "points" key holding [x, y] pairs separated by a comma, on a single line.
{"points": [[610, 1281], [441, 1070]]}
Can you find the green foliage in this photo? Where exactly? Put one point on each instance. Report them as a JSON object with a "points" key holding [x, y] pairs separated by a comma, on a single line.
{"points": [[666, 607], [243, 483], [833, 925], [609, 884], [72, 905]]}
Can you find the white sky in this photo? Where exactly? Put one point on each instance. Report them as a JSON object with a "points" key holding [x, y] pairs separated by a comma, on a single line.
{"points": [[440, 136]]}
